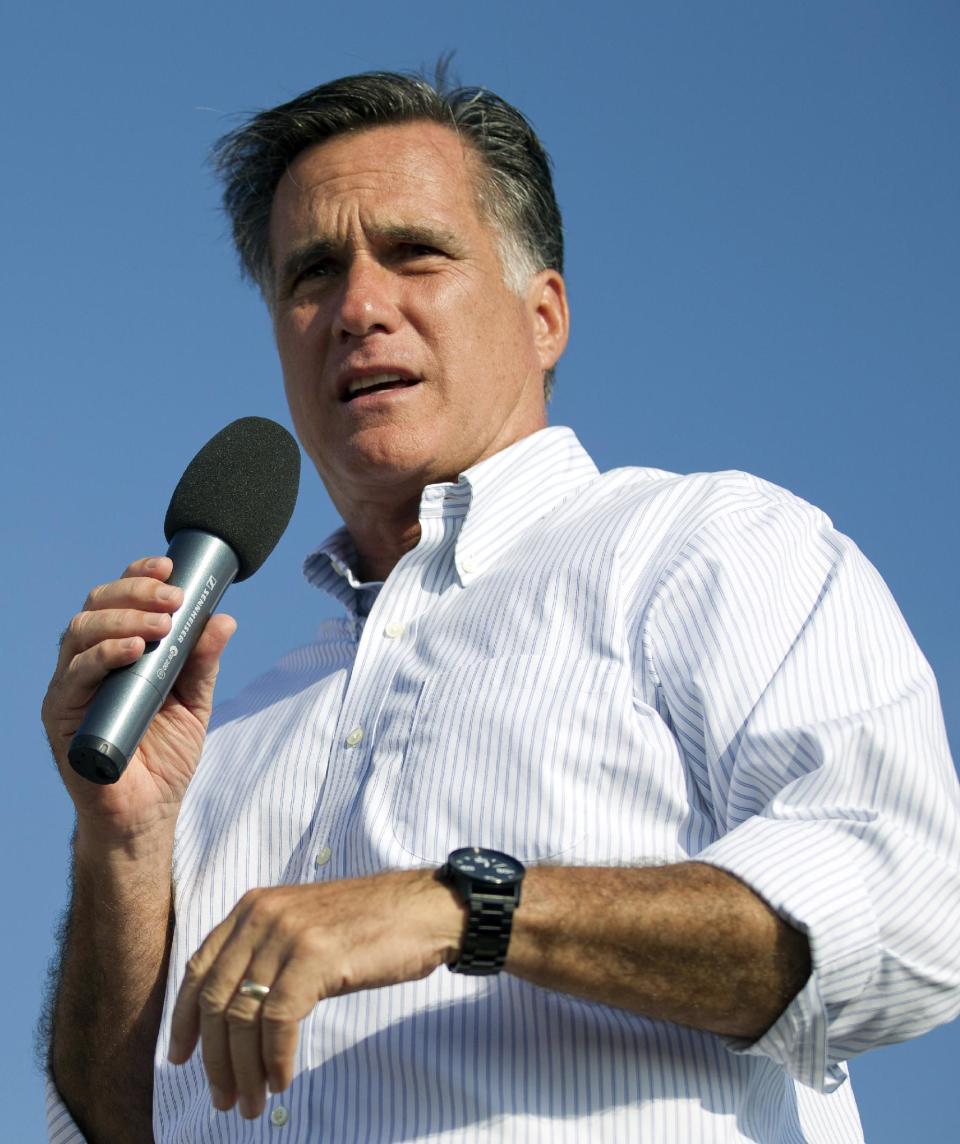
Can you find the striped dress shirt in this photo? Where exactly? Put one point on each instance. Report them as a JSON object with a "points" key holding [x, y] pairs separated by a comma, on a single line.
{"points": [[619, 669]]}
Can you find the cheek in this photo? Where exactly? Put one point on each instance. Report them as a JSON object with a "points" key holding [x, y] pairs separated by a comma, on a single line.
{"points": [[302, 326], [470, 325], [294, 389], [302, 395], [299, 348]]}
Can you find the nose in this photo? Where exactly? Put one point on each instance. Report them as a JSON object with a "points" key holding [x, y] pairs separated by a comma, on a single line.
{"points": [[367, 302]]}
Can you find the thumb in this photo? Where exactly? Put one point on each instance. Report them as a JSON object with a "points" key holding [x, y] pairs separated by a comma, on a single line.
{"points": [[195, 684]]}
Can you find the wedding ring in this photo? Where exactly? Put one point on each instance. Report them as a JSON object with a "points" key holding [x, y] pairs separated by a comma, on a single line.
{"points": [[252, 989]]}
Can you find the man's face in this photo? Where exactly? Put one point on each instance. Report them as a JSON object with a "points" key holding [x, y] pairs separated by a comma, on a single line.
{"points": [[406, 358]]}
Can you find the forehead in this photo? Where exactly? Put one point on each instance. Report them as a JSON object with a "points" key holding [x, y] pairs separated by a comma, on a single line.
{"points": [[402, 173]]}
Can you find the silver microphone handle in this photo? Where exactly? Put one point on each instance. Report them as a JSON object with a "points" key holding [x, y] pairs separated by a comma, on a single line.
{"points": [[129, 698]]}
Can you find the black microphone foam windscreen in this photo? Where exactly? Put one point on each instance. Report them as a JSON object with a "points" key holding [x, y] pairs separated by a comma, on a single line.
{"points": [[241, 487]]}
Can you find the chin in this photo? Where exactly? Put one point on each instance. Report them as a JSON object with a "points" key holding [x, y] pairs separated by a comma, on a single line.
{"points": [[398, 459]]}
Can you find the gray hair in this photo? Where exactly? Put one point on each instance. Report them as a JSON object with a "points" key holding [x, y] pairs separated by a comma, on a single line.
{"points": [[514, 187]]}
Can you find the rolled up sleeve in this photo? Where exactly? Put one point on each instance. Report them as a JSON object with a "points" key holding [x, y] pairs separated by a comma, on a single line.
{"points": [[811, 724], [61, 1128]]}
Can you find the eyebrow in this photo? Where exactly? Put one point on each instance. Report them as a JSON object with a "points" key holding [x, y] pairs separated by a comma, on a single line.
{"points": [[422, 234], [303, 256], [416, 234]]}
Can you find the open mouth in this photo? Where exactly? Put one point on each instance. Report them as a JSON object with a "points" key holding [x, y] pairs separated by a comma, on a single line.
{"points": [[378, 383]]}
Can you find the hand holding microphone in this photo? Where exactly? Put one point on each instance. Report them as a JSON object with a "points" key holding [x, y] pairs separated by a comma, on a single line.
{"points": [[121, 657]]}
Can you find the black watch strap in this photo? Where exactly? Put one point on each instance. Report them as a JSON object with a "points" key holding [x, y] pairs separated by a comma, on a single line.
{"points": [[489, 925]]}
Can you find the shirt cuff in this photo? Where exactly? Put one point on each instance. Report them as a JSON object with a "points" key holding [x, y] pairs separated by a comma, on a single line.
{"points": [[808, 873], [60, 1126]]}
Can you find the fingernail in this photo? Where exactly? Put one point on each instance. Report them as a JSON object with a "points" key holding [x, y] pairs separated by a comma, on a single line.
{"points": [[157, 619], [221, 1101], [152, 565], [131, 643], [168, 593]]}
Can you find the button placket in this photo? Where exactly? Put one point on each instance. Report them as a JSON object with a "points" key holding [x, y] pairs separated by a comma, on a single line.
{"points": [[383, 640]]}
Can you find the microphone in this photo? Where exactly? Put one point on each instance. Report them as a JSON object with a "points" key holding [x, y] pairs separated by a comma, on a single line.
{"points": [[226, 515]]}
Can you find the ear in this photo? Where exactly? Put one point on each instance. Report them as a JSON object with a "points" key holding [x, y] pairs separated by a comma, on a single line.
{"points": [[547, 303]]}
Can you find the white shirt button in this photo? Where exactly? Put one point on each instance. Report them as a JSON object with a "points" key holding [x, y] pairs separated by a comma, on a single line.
{"points": [[355, 736], [324, 854], [393, 630], [279, 1116], [467, 563]]}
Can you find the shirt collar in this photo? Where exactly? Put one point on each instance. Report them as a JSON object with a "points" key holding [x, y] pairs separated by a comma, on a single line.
{"points": [[497, 499]]}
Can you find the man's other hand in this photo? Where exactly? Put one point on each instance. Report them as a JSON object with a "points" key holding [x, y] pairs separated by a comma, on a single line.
{"points": [[305, 943]]}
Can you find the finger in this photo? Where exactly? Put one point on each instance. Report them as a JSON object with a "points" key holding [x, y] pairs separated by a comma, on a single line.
{"points": [[243, 1030], [290, 1000], [88, 669], [217, 1062], [158, 567], [89, 628], [220, 1009], [231, 1037], [143, 596], [142, 592], [185, 1021], [71, 690]]}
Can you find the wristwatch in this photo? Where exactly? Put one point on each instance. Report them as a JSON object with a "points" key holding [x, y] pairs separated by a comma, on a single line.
{"points": [[489, 884]]}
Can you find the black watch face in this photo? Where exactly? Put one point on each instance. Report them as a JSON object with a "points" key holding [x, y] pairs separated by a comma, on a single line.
{"points": [[486, 865]]}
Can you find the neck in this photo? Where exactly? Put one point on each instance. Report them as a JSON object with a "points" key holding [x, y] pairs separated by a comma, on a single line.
{"points": [[381, 536]]}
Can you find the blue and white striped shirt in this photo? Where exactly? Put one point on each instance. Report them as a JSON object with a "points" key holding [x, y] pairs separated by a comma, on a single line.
{"points": [[591, 669]]}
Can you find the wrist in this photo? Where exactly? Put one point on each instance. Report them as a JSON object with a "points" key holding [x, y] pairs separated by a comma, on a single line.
{"points": [[436, 910], [451, 916], [143, 845]]}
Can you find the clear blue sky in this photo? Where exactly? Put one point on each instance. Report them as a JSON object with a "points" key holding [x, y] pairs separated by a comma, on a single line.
{"points": [[761, 203]]}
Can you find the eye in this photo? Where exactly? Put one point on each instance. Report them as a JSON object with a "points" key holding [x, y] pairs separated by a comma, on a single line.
{"points": [[420, 250], [322, 268], [311, 276]]}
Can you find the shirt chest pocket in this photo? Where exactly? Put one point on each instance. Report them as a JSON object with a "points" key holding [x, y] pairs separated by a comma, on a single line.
{"points": [[498, 754]]}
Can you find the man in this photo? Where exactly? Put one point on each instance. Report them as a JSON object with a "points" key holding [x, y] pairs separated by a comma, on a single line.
{"points": [[687, 705]]}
